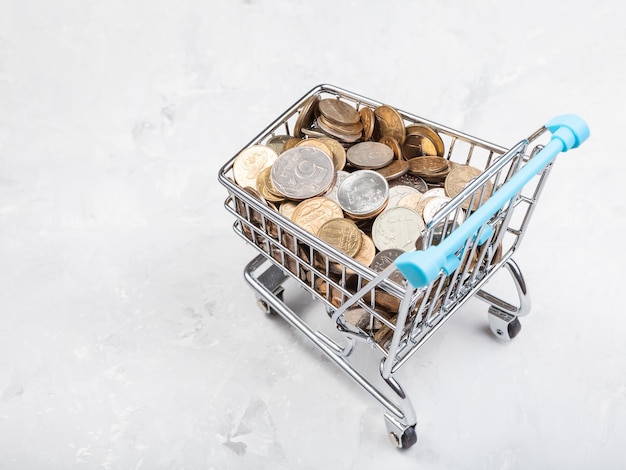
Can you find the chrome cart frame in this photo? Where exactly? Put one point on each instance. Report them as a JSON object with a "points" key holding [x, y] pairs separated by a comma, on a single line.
{"points": [[464, 245]]}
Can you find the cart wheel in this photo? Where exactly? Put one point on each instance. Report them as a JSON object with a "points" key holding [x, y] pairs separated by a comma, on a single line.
{"points": [[408, 438], [503, 325]]}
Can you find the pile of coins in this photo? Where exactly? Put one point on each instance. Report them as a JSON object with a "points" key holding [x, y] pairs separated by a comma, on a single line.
{"points": [[359, 180]]}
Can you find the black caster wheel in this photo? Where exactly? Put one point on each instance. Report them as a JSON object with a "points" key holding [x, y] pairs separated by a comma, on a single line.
{"points": [[503, 325], [408, 438]]}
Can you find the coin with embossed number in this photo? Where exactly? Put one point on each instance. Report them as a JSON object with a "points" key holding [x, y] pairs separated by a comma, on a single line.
{"points": [[397, 228], [250, 162], [370, 155], [303, 172], [313, 213], [362, 193]]}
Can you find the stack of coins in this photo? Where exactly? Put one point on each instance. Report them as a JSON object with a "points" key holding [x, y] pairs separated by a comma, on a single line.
{"points": [[340, 120]]}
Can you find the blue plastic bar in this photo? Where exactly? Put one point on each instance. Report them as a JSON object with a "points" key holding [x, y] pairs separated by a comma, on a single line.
{"points": [[421, 268]]}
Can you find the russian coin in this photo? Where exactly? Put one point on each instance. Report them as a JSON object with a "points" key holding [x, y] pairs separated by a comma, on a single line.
{"points": [[426, 197], [394, 170], [266, 187], [397, 228], [384, 259], [369, 155], [362, 193], [367, 120], [250, 162], [435, 192], [338, 152], [338, 111], [459, 178], [410, 180], [390, 123], [342, 234], [366, 253], [427, 165], [277, 142], [313, 132], [291, 143], [303, 172], [305, 118], [332, 192], [417, 146], [287, 208], [393, 145], [431, 134], [410, 200], [345, 135], [398, 192], [313, 213], [317, 143], [433, 206]]}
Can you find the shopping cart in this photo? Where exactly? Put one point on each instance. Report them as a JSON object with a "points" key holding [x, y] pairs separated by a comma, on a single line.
{"points": [[463, 246]]}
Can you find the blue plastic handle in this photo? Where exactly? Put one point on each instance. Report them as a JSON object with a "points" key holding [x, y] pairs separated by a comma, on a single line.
{"points": [[420, 268]]}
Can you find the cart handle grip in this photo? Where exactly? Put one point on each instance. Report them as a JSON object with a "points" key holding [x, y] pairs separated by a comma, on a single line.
{"points": [[421, 268]]}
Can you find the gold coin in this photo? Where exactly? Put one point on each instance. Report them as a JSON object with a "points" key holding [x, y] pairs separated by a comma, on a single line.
{"points": [[342, 234], [312, 213], [343, 135], [459, 178], [427, 165], [305, 118], [366, 253], [393, 144], [317, 143], [390, 123], [291, 143], [418, 145], [411, 201], [266, 187], [287, 208], [431, 134], [367, 120], [338, 112], [250, 162], [338, 152], [394, 170]]}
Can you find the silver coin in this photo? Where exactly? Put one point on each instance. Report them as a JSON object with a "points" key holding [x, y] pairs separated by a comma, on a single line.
{"points": [[398, 192], [302, 172], [363, 192], [410, 180], [384, 259], [332, 192], [435, 192], [433, 206], [369, 155], [397, 228]]}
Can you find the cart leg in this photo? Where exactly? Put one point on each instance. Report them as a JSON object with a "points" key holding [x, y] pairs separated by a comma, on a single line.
{"points": [[399, 416], [503, 317]]}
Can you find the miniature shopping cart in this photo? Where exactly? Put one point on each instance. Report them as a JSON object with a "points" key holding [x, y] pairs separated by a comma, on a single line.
{"points": [[463, 246]]}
